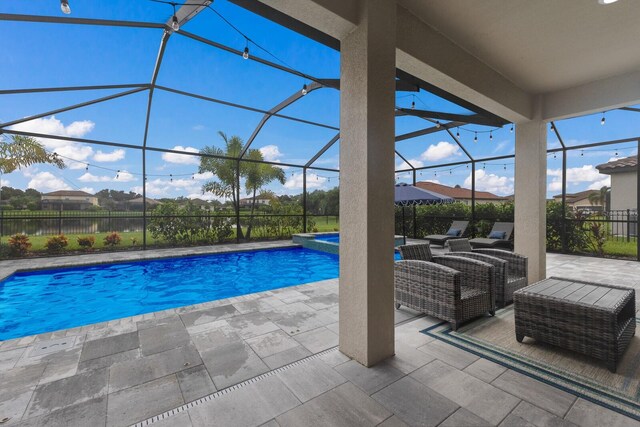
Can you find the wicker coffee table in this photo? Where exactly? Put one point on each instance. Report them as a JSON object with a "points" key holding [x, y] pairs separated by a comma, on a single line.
{"points": [[590, 318]]}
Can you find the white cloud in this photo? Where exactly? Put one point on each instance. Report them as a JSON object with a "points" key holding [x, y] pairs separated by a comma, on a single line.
{"points": [[4, 183], [599, 184], [440, 151], [53, 126], [500, 185], [124, 176], [113, 156], [88, 177], [207, 196], [271, 153], [579, 175], [182, 159], [46, 182], [198, 127], [414, 162], [313, 181], [89, 190]]}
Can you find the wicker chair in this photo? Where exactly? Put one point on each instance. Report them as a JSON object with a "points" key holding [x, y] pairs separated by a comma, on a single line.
{"points": [[451, 288], [515, 275]]}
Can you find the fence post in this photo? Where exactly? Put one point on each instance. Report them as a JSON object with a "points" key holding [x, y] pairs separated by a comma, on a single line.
{"points": [[60, 220], [304, 200], [628, 225], [638, 208], [110, 229], [473, 198], [563, 225]]}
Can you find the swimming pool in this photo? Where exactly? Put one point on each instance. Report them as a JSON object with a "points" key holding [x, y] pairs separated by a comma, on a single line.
{"points": [[49, 300], [333, 237]]}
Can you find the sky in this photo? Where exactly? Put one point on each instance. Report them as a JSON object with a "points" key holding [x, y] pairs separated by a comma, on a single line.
{"points": [[50, 55]]}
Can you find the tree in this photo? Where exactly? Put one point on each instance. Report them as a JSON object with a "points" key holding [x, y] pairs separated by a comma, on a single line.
{"points": [[228, 170], [257, 175], [600, 198], [22, 151]]}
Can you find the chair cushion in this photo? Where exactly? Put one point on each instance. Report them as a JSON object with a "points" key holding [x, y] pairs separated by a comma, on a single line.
{"points": [[455, 232], [497, 235], [467, 292]]}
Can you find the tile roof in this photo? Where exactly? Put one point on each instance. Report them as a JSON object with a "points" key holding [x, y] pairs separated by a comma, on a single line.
{"points": [[620, 165], [457, 192], [69, 193], [574, 197]]}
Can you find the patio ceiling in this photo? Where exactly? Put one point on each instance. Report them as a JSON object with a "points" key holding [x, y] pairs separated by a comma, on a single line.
{"points": [[580, 56]]}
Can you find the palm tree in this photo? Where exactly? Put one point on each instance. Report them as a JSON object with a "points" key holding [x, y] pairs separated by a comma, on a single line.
{"points": [[226, 170], [22, 151], [600, 198], [19, 151], [257, 175]]}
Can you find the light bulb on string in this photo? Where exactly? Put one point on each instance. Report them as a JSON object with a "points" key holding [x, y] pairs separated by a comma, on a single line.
{"points": [[581, 153], [491, 136], [551, 126], [193, 177], [505, 167], [484, 166], [86, 167], [118, 174], [413, 105], [64, 7], [511, 130], [171, 177], [603, 121], [450, 171], [457, 133], [175, 26], [475, 138], [245, 53], [438, 124], [304, 90]]}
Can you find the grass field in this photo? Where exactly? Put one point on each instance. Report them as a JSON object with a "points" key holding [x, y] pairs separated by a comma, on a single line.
{"points": [[621, 248]]}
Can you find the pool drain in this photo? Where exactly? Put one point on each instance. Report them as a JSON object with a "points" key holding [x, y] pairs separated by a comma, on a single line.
{"points": [[224, 391]]}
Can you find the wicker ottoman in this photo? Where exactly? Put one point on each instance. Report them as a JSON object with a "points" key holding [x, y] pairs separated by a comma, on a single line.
{"points": [[590, 318]]}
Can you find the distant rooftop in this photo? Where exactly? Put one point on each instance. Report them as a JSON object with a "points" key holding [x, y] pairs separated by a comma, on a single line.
{"points": [[457, 192], [621, 165], [69, 193], [574, 197]]}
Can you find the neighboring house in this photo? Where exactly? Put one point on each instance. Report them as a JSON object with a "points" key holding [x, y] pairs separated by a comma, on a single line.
{"points": [[136, 204], [580, 201], [68, 200], [624, 187], [260, 200], [461, 194], [624, 181]]}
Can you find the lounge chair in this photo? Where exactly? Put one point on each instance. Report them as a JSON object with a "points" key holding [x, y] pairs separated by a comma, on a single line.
{"points": [[456, 231], [499, 237], [515, 274], [451, 288]]}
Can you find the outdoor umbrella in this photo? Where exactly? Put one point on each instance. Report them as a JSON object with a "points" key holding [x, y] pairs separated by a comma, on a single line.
{"points": [[409, 195]]}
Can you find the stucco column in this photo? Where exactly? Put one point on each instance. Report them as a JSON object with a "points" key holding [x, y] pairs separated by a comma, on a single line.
{"points": [[531, 196], [367, 127]]}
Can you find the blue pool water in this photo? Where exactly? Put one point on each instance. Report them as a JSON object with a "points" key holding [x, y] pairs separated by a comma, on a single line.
{"points": [[334, 237], [48, 300]]}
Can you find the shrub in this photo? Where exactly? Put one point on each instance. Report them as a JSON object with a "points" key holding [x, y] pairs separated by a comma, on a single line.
{"points": [[188, 224], [19, 244], [86, 242], [112, 239], [134, 241], [56, 244]]}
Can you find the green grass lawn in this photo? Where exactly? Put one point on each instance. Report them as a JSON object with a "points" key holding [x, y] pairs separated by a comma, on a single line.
{"points": [[615, 247]]}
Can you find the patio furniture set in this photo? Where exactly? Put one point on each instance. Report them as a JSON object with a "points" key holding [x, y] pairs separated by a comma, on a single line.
{"points": [[474, 279]]}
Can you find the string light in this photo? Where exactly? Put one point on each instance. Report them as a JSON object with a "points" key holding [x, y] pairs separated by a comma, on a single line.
{"points": [[171, 175], [413, 105], [118, 174], [438, 124], [457, 133], [511, 130], [87, 167], [64, 7], [603, 121], [581, 153], [175, 26], [484, 166], [551, 126], [505, 167], [491, 136], [245, 53], [475, 138], [304, 89]]}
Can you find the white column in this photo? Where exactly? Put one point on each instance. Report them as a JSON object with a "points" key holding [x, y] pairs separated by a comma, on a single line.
{"points": [[531, 196], [367, 129]]}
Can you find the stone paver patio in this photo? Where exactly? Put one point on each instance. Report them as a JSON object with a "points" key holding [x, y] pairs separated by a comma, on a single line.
{"points": [[279, 346]]}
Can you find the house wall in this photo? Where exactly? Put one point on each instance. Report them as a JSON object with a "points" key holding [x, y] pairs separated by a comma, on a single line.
{"points": [[624, 190]]}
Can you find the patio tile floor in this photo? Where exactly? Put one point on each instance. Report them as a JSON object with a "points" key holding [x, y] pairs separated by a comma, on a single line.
{"points": [[124, 371]]}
